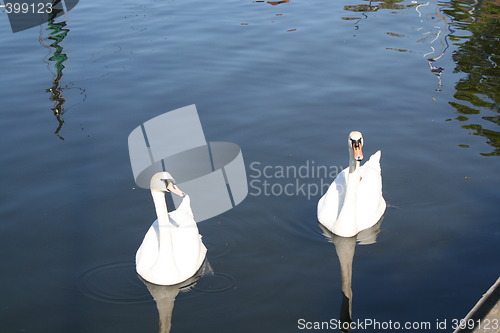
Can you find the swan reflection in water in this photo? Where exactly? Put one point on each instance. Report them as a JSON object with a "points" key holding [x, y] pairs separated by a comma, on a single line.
{"points": [[345, 247], [165, 296]]}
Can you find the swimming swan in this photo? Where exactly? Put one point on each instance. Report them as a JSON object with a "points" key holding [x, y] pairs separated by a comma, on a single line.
{"points": [[354, 200], [172, 250]]}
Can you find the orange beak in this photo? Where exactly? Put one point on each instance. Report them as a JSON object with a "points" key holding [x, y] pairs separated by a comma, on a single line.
{"points": [[358, 153]]}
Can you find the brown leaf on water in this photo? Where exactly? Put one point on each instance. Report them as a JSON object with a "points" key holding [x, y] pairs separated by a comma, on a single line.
{"points": [[393, 34]]}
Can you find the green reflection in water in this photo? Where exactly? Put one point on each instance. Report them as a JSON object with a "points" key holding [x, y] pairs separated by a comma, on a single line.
{"points": [[57, 33], [478, 93], [373, 6], [361, 10]]}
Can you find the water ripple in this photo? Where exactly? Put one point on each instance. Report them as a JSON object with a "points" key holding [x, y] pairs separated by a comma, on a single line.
{"points": [[115, 283], [216, 283]]}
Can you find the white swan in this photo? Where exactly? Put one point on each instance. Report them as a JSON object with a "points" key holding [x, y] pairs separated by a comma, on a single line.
{"points": [[172, 250], [354, 200]]}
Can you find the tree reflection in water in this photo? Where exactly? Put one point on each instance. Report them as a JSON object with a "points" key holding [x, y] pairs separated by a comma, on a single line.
{"points": [[57, 35], [57, 32], [478, 93]]}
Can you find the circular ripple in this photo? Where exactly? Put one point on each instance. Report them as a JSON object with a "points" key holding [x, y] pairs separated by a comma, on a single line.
{"points": [[215, 283], [114, 283]]}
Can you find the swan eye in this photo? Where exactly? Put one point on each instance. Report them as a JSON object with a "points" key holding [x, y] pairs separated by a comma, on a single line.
{"points": [[356, 143]]}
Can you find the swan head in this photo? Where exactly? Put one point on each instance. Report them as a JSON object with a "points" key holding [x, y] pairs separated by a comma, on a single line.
{"points": [[164, 182], [355, 143]]}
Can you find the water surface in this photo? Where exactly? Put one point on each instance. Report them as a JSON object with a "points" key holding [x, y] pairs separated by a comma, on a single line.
{"points": [[286, 81]]}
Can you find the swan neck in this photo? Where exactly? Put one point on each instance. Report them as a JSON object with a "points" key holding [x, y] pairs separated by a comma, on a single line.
{"points": [[352, 178], [160, 206], [353, 163]]}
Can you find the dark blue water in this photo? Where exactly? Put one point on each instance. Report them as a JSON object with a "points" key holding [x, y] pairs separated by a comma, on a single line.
{"points": [[286, 82]]}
